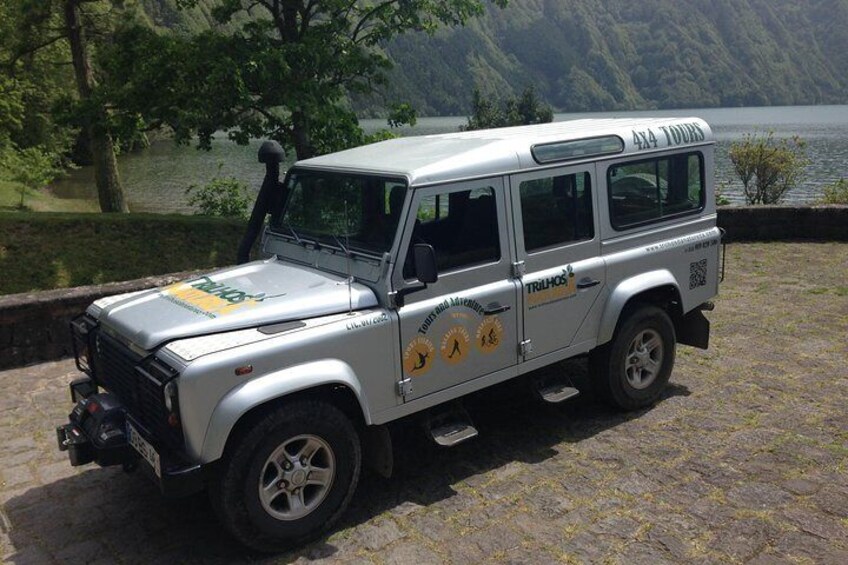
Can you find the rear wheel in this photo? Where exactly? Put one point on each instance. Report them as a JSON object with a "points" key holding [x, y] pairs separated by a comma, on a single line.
{"points": [[289, 478], [633, 369]]}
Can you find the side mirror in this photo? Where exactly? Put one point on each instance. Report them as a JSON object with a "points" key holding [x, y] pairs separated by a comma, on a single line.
{"points": [[425, 263]]}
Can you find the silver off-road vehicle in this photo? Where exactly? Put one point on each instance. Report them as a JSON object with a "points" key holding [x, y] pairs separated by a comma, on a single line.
{"points": [[400, 277]]}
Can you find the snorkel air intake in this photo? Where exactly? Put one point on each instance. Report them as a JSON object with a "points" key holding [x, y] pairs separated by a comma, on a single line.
{"points": [[271, 154]]}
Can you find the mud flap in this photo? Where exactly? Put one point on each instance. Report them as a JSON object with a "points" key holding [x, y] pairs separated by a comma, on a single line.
{"points": [[378, 455], [694, 329]]}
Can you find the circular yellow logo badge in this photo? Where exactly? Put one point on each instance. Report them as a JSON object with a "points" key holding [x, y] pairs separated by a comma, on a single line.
{"points": [[455, 345], [489, 334], [418, 356]]}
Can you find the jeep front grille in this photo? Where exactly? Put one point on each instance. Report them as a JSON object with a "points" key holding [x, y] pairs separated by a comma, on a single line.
{"points": [[139, 382]]}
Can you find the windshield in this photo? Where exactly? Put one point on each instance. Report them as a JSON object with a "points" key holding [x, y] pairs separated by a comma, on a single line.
{"points": [[358, 212]]}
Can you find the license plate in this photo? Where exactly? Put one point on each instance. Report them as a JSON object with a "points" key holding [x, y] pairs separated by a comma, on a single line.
{"points": [[144, 449]]}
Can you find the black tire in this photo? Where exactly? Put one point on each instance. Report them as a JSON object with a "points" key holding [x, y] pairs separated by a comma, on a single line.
{"points": [[615, 376], [235, 491]]}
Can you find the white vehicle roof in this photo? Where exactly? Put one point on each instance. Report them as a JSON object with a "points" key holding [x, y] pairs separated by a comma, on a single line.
{"points": [[437, 158]]}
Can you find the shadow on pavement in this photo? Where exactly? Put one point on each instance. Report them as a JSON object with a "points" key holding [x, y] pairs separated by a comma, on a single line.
{"points": [[106, 513]]}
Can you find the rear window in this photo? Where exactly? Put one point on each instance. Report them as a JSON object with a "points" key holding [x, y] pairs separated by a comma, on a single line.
{"points": [[652, 190]]}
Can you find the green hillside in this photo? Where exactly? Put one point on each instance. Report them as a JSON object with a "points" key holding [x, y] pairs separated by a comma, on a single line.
{"points": [[618, 54]]}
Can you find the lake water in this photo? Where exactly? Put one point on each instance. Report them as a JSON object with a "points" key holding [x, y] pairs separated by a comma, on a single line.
{"points": [[155, 179]]}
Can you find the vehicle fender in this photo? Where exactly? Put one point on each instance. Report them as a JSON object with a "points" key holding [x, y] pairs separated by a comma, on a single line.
{"points": [[624, 291], [269, 387]]}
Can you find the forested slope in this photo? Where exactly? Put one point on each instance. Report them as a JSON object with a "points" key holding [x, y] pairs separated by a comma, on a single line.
{"points": [[619, 54]]}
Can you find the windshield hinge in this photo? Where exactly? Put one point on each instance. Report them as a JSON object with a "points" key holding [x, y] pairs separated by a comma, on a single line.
{"points": [[525, 347], [518, 269], [404, 387]]}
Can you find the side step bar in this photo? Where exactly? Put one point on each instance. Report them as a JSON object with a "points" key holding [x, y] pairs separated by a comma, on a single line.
{"points": [[554, 390], [453, 434], [451, 426], [556, 393]]}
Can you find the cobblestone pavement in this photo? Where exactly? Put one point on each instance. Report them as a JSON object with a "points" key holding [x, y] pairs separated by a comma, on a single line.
{"points": [[744, 460]]}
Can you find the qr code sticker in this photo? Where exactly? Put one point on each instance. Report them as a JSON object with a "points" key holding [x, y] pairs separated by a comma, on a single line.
{"points": [[697, 274]]}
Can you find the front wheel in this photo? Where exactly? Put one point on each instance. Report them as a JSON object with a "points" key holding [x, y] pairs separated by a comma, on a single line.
{"points": [[290, 477], [633, 369]]}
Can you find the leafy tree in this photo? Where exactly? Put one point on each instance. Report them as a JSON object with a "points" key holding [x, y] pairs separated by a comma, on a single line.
{"points": [[279, 69], [44, 24], [526, 109], [768, 167]]}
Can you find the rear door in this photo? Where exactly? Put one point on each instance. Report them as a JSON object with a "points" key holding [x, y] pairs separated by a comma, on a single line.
{"points": [[464, 325], [558, 241]]}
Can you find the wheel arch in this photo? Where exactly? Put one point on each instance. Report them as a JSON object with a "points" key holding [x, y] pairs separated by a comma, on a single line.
{"points": [[330, 380], [658, 288]]}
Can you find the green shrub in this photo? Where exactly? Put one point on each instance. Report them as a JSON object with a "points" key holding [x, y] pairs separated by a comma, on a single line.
{"points": [[835, 193], [224, 197], [768, 167]]}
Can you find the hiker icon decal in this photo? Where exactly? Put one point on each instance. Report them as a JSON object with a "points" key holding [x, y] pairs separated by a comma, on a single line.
{"points": [[455, 345]]}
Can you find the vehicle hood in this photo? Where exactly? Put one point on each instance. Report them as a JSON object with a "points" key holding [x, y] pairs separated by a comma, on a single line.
{"points": [[250, 295]]}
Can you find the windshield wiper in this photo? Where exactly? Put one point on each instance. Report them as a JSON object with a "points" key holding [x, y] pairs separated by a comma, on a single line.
{"points": [[341, 245], [297, 238]]}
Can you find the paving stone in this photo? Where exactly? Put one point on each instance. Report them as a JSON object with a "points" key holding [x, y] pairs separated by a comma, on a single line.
{"points": [[800, 486], [406, 553], [743, 539], [379, 535], [16, 476], [799, 545], [638, 553], [757, 495], [833, 500], [818, 524], [434, 526], [85, 551]]}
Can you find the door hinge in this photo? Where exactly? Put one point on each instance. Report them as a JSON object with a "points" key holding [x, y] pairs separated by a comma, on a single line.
{"points": [[404, 387], [519, 268], [525, 347]]}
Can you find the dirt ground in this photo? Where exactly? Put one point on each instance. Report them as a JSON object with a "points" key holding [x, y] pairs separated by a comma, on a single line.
{"points": [[745, 459]]}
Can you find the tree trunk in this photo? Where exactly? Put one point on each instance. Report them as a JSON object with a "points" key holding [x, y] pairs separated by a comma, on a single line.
{"points": [[109, 191], [300, 136]]}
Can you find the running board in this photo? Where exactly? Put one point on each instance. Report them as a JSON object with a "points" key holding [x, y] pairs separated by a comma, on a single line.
{"points": [[451, 426], [453, 434], [554, 393]]}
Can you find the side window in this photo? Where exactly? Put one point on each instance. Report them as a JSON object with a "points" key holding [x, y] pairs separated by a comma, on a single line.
{"points": [[556, 210], [654, 189], [462, 227]]}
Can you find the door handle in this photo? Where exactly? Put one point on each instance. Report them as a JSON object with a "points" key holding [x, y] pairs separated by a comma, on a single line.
{"points": [[586, 282], [495, 308]]}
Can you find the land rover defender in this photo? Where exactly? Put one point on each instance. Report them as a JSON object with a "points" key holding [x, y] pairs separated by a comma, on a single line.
{"points": [[398, 278]]}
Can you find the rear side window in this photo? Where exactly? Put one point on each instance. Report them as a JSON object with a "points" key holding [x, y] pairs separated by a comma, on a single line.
{"points": [[556, 210], [650, 190]]}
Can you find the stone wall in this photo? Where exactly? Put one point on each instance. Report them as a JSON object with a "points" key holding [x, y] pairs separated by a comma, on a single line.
{"points": [[34, 327], [776, 223]]}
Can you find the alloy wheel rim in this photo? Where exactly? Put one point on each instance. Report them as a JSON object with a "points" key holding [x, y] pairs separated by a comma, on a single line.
{"points": [[296, 477], [644, 359]]}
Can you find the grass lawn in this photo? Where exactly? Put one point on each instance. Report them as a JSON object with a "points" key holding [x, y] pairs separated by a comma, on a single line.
{"points": [[41, 200], [43, 250]]}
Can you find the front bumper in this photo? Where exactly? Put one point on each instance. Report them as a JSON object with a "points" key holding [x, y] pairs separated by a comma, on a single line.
{"points": [[98, 431]]}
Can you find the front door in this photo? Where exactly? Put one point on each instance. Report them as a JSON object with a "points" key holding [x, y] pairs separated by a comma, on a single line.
{"points": [[464, 325], [557, 238]]}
